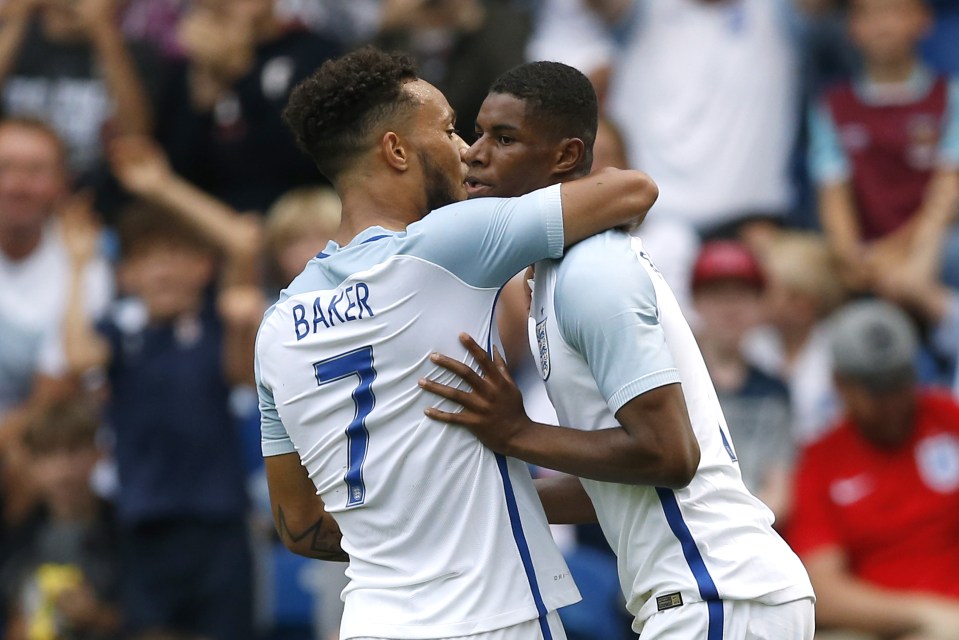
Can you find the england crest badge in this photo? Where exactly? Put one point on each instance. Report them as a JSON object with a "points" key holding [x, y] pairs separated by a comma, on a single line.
{"points": [[938, 460], [543, 344]]}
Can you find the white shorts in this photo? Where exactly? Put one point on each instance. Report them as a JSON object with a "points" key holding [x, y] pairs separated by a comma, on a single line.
{"points": [[529, 630], [734, 620]]}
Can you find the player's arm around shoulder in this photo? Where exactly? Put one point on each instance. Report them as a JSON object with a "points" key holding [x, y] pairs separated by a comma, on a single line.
{"points": [[648, 450], [604, 200]]}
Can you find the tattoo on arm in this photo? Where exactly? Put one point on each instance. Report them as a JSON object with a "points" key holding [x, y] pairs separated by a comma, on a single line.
{"points": [[321, 540]]}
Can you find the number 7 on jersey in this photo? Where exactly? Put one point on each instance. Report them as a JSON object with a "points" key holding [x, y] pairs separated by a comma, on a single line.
{"points": [[358, 362]]}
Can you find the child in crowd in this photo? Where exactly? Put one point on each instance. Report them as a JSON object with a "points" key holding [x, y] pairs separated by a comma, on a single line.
{"points": [[298, 226], [171, 353], [63, 580], [885, 155], [801, 291], [727, 289]]}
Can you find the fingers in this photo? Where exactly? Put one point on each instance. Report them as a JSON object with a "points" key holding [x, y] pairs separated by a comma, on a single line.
{"points": [[446, 416], [460, 397], [461, 369], [479, 353]]}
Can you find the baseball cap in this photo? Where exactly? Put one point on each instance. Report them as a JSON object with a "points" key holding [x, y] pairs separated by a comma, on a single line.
{"points": [[873, 343], [726, 260]]}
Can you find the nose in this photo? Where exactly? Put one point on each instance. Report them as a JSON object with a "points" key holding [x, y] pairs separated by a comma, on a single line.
{"points": [[476, 154]]}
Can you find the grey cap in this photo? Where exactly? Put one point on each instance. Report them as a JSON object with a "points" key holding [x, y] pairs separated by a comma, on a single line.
{"points": [[874, 344]]}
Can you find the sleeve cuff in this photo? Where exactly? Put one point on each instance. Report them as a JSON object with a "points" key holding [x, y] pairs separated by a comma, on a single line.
{"points": [[276, 447], [833, 173], [640, 386], [553, 207]]}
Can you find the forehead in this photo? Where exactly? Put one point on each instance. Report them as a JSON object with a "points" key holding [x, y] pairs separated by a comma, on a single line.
{"points": [[432, 103], [503, 110], [23, 138]]}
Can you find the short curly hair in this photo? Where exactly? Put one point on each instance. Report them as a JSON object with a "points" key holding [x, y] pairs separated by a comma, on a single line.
{"points": [[332, 112], [559, 97]]}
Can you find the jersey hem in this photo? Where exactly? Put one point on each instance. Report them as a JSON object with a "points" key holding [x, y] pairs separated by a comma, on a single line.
{"points": [[791, 593], [367, 629]]}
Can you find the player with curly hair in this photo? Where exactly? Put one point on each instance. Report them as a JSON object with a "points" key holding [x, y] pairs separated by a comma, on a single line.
{"points": [[444, 537]]}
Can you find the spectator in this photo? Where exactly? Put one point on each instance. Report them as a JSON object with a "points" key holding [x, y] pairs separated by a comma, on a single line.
{"points": [[64, 581], [672, 242], [572, 32], [885, 155], [727, 286], [67, 64], [35, 276], [801, 291], [937, 306], [224, 114], [143, 170], [707, 95], [298, 226], [877, 500], [154, 22], [170, 357], [350, 23], [460, 46]]}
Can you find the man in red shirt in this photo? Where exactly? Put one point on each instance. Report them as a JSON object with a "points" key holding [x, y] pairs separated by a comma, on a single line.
{"points": [[877, 499]]}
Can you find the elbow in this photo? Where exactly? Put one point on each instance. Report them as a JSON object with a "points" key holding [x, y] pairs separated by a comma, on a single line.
{"points": [[643, 193], [319, 539], [681, 467]]}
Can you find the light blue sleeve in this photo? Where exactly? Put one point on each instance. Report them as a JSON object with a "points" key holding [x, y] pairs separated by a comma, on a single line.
{"points": [[949, 145], [274, 440], [606, 310], [827, 160], [487, 241]]}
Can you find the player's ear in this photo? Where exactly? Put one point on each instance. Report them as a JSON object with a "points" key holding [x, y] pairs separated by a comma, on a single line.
{"points": [[570, 155], [394, 151]]}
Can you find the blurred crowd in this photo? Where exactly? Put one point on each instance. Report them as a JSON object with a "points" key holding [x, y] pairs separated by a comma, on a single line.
{"points": [[152, 205]]}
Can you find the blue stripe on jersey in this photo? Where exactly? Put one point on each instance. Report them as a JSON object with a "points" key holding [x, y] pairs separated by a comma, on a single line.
{"points": [[729, 448], [514, 520], [522, 545], [323, 254], [707, 588]]}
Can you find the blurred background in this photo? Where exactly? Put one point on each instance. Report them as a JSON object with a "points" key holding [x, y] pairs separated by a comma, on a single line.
{"points": [[152, 205]]}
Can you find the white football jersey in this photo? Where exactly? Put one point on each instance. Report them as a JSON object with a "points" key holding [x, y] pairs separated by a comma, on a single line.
{"points": [[445, 537], [607, 329]]}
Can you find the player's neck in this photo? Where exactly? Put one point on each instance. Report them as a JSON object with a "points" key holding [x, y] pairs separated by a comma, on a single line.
{"points": [[368, 207]]}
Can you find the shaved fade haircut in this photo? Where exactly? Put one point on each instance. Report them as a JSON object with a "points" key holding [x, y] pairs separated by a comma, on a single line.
{"points": [[558, 97], [333, 112]]}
